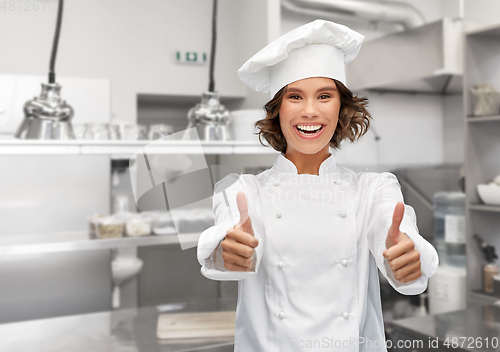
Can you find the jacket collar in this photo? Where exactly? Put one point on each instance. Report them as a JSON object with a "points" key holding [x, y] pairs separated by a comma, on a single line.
{"points": [[284, 165]]}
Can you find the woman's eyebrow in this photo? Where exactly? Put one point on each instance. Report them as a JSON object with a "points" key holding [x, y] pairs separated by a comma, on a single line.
{"points": [[328, 88], [297, 90]]}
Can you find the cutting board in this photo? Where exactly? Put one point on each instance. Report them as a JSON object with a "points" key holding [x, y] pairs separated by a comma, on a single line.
{"points": [[196, 325]]}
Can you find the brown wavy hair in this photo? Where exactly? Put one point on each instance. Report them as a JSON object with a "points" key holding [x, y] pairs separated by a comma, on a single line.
{"points": [[353, 122]]}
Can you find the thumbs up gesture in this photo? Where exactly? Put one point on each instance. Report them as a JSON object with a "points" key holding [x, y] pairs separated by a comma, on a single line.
{"points": [[401, 254], [239, 243]]}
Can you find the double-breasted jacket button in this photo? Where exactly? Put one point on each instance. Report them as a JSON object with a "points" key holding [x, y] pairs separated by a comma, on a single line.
{"points": [[345, 315], [276, 183], [338, 182], [344, 262], [278, 214], [281, 314], [280, 265], [342, 214]]}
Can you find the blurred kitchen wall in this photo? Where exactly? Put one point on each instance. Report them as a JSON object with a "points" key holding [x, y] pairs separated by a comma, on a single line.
{"points": [[481, 13]]}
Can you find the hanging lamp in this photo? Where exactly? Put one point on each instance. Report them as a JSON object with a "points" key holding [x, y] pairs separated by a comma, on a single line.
{"points": [[210, 117], [48, 116]]}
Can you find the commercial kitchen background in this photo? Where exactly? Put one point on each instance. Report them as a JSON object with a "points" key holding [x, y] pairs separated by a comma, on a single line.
{"points": [[116, 64]]}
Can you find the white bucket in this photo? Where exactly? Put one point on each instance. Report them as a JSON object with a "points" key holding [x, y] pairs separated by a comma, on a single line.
{"points": [[242, 124]]}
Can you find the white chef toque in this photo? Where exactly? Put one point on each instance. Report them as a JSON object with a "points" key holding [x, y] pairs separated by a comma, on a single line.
{"points": [[317, 49]]}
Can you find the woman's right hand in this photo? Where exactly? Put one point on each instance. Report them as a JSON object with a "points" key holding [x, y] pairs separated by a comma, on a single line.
{"points": [[238, 247]]}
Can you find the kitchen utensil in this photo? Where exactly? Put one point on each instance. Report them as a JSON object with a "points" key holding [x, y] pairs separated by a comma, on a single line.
{"points": [[489, 194], [488, 250], [491, 268]]}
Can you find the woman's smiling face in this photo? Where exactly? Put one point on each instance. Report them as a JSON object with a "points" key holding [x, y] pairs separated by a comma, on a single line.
{"points": [[307, 105]]}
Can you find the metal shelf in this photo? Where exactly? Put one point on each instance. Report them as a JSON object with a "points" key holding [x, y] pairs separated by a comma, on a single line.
{"points": [[128, 148], [485, 207], [76, 241], [481, 151], [483, 118], [492, 31]]}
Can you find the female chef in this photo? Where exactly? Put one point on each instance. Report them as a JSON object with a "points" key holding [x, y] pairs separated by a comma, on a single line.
{"points": [[304, 238]]}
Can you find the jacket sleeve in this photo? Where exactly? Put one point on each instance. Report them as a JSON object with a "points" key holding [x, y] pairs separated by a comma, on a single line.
{"points": [[384, 197], [209, 251]]}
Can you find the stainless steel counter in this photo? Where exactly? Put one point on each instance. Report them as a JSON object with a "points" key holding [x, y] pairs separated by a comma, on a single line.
{"points": [[134, 330], [474, 329], [130, 330]]}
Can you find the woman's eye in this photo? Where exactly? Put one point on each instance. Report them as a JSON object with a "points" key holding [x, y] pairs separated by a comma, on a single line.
{"points": [[294, 97], [324, 96]]}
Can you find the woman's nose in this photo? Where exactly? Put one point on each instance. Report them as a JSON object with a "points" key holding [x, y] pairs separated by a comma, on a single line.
{"points": [[309, 109]]}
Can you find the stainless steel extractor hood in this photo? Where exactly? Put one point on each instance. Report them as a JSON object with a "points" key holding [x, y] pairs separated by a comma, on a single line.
{"points": [[401, 13], [425, 59]]}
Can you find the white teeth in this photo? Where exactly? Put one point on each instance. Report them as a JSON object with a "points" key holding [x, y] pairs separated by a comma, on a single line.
{"points": [[309, 128], [316, 131]]}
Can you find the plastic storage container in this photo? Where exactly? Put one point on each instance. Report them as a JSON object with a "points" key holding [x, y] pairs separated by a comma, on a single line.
{"points": [[449, 237]]}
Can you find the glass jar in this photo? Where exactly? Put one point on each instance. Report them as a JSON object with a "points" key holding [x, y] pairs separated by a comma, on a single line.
{"points": [[96, 131], [135, 132], [143, 132], [449, 220], [79, 130], [159, 131], [88, 134], [114, 132]]}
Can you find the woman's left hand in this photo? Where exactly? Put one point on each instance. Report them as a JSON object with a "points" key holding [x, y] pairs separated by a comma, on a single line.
{"points": [[403, 258]]}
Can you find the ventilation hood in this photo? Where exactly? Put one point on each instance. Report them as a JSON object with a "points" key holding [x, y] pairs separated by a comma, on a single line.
{"points": [[425, 59], [376, 11]]}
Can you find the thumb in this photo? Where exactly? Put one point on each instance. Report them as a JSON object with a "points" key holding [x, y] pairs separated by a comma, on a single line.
{"points": [[245, 221], [393, 233]]}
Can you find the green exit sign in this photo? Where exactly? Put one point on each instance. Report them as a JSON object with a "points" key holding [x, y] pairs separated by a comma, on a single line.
{"points": [[191, 57]]}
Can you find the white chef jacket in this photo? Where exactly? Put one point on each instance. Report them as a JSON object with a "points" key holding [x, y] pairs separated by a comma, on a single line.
{"points": [[315, 286]]}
